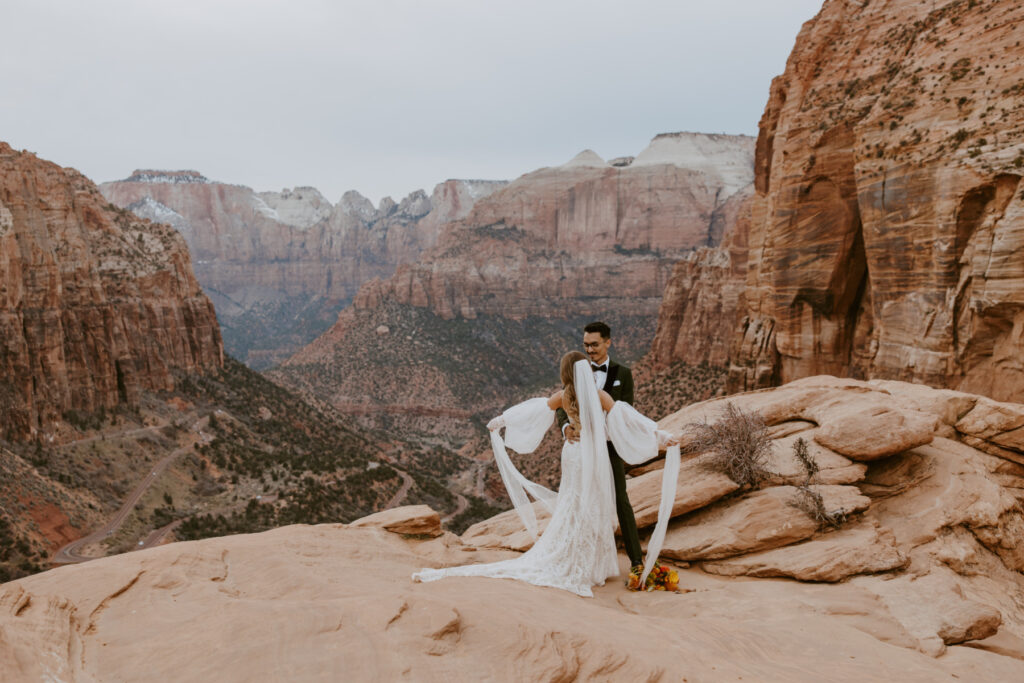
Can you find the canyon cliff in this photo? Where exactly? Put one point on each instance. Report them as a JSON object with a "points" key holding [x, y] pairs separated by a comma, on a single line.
{"points": [[280, 265], [886, 233], [488, 310], [96, 305]]}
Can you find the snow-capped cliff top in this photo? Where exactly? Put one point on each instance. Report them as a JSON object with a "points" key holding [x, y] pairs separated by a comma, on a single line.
{"points": [[731, 157], [587, 157], [158, 176]]}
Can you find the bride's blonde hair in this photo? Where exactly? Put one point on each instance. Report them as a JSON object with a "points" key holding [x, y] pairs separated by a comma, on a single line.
{"points": [[570, 403]]}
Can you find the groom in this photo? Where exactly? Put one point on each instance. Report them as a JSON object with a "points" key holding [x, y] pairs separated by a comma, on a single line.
{"points": [[617, 380]]}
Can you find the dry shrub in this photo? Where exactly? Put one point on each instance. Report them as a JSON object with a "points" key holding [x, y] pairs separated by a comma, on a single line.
{"points": [[807, 499], [737, 444], [808, 462]]}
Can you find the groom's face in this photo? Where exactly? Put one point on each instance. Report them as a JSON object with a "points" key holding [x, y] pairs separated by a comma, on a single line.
{"points": [[596, 346]]}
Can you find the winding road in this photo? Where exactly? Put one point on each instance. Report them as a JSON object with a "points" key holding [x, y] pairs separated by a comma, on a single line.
{"points": [[402, 492], [70, 553]]}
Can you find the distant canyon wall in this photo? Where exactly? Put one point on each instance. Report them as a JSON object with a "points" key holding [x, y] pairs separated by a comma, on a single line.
{"points": [[280, 265], [583, 238], [96, 304]]}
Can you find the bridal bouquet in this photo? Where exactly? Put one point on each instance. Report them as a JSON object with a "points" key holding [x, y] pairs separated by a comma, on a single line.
{"points": [[661, 578]]}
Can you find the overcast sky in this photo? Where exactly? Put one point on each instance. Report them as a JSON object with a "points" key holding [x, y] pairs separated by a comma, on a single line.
{"points": [[381, 96]]}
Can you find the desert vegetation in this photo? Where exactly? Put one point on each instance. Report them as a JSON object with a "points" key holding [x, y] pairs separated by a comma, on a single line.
{"points": [[806, 498], [736, 445]]}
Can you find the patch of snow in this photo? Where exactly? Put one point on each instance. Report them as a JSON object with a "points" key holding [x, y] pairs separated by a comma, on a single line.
{"points": [[150, 208], [728, 159], [354, 204], [478, 189], [264, 208], [588, 158], [301, 207], [156, 176]]}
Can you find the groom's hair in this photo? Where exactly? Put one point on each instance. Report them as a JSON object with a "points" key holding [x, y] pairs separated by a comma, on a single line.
{"points": [[599, 327]]}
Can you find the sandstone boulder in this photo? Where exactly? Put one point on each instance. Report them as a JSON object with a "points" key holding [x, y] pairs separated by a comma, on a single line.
{"points": [[870, 428], [758, 521], [506, 530], [697, 486], [949, 486], [415, 520], [996, 427], [946, 404], [860, 549]]}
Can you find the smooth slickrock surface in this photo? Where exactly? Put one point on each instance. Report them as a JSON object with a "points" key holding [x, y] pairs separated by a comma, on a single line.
{"points": [[326, 602], [935, 610], [408, 519], [96, 305]]}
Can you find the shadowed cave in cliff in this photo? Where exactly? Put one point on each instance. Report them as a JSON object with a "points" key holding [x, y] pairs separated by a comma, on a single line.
{"points": [[977, 331]]}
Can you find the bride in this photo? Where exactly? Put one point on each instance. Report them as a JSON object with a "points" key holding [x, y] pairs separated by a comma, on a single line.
{"points": [[577, 549]]}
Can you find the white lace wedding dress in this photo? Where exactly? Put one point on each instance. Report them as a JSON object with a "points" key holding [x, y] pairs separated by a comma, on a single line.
{"points": [[577, 549]]}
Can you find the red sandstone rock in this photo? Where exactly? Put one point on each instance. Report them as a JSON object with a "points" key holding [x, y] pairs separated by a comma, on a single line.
{"points": [[700, 306], [886, 230], [888, 221], [408, 519], [96, 305]]}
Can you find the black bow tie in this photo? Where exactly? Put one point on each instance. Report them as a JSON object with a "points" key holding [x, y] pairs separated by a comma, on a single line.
{"points": [[599, 368]]}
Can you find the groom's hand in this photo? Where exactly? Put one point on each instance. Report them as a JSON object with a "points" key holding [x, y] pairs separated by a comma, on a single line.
{"points": [[571, 435]]}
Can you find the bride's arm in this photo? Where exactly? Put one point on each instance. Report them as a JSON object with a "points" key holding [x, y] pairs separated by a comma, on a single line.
{"points": [[606, 400], [555, 402]]}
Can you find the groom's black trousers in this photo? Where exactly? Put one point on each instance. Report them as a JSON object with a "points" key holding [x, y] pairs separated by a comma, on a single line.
{"points": [[627, 522]]}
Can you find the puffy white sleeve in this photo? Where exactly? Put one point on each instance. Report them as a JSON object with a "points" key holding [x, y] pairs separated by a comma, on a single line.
{"points": [[637, 439], [526, 424]]}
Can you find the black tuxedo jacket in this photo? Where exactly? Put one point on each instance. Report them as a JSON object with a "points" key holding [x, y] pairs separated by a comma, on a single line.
{"points": [[618, 384]]}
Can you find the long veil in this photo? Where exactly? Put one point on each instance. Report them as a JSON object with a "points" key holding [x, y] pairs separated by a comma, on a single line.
{"points": [[598, 486]]}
